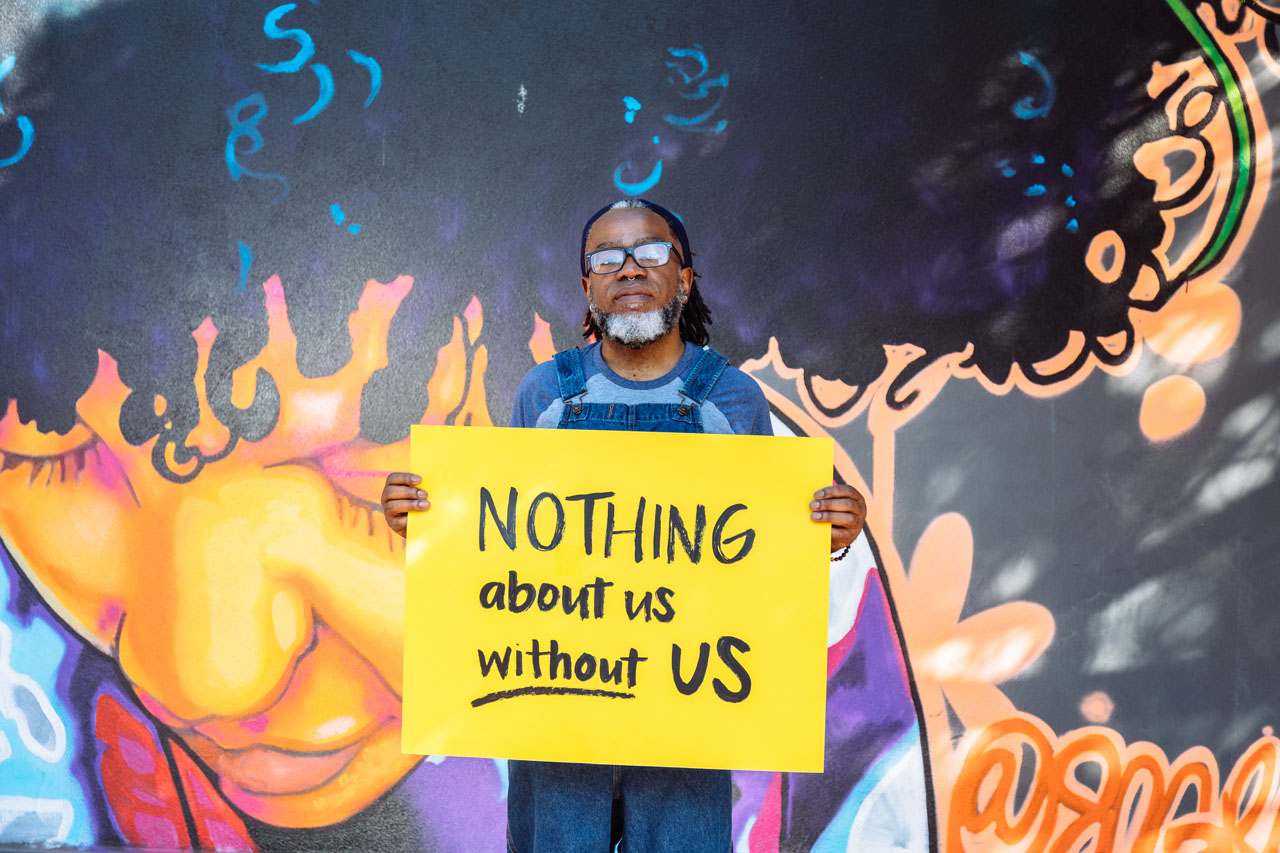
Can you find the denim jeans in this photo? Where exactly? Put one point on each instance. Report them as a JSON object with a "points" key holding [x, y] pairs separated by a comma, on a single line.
{"points": [[567, 808]]}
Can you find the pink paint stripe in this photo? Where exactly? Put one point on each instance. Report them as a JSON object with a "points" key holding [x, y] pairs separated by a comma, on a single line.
{"points": [[768, 828], [345, 472]]}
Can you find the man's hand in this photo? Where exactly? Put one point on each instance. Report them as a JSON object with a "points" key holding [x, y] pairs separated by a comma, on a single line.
{"points": [[401, 496], [840, 506]]}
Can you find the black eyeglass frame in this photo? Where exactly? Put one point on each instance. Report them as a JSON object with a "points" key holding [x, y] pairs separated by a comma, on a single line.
{"points": [[671, 249]]}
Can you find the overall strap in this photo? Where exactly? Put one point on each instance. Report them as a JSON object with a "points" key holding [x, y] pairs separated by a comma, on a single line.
{"points": [[569, 375], [704, 376]]}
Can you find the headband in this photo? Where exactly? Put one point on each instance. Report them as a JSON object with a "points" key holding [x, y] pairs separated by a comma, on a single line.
{"points": [[673, 222]]}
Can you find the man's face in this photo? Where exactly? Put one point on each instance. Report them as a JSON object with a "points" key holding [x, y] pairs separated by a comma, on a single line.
{"points": [[634, 290]]}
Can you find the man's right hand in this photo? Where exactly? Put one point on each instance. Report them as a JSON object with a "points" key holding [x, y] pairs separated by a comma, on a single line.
{"points": [[401, 496]]}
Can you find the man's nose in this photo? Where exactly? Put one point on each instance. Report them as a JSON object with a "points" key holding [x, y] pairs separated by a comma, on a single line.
{"points": [[631, 269]]}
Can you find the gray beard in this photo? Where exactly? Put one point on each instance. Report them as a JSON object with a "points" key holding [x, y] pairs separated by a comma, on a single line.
{"points": [[638, 329]]}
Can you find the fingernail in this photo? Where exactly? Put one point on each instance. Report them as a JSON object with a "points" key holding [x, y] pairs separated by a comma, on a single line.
{"points": [[816, 516], [421, 493], [415, 478], [423, 504], [813, 505]]}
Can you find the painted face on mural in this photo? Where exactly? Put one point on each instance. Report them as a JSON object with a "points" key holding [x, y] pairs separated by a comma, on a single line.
{"points": [[258, 609]]}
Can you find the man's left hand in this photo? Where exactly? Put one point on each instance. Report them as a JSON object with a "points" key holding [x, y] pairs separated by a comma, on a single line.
{"points": [[844, 509]]}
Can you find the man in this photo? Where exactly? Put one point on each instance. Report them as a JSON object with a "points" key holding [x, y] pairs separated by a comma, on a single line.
{"points": [[650, 370]]}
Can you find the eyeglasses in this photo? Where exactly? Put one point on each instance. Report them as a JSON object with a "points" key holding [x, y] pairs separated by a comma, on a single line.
{"points": [[646, 254]]}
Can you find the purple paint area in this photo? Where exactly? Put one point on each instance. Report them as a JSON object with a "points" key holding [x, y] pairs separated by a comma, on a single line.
{"points": [[159, 832], [193, 784], [460, 803], [223, 836], [869, 706], [136, 756], [752, 786]]}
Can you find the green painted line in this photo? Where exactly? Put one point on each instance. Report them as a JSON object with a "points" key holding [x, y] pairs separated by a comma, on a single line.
{"points": [[1241, 133]]}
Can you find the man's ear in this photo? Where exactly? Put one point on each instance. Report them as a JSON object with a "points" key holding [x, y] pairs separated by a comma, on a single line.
{"points": [[586, 286], [686, 279]]}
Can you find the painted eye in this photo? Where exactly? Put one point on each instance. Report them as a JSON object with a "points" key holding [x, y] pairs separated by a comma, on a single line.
{"points": [[361, 467], [356, 472], [48, 459], [19, 441]]}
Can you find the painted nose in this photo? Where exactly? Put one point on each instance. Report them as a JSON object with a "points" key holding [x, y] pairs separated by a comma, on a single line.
{"points": [[223, 620]]}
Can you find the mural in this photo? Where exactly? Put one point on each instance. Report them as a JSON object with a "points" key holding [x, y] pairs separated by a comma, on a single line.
{"points": [[1014, 260]]}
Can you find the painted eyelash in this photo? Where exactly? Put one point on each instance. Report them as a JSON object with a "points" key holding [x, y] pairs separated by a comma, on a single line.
{"points": [[359, 506], [346, 500], [75, 457], [349, 506]]}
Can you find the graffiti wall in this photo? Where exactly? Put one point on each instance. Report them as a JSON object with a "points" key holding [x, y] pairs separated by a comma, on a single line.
{"points": [[1016, 258]]}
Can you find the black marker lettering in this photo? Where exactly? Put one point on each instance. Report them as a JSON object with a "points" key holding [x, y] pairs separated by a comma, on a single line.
{"points": [[519, 595], [558, 656], [598, 586], [633, 661], [748, 534], [532, 528], [645, 604], [585, 666], [699, 672], [606, 676], [725, 648], [667, 613], [507, 530], [491, 595], [494, 661], [637, 532], [676, 525], [580, 603], [545, 601], [588, 513], [657, 531], [535, 653]]}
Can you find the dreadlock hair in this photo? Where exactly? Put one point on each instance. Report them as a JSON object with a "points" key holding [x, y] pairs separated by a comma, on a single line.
{"points": [[695, 316]]}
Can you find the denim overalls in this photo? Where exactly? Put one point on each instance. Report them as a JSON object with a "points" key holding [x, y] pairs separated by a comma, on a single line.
{"points": [[566, 808]]}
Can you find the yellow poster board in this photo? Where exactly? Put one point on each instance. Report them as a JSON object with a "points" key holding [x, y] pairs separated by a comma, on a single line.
{"points": [[617, 598]]}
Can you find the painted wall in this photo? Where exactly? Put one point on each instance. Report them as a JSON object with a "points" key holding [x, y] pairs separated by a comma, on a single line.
{"points": [[1017, 258]]}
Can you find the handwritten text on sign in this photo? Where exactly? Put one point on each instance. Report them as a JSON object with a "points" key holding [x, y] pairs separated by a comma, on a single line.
{"points": [[620, 598]]}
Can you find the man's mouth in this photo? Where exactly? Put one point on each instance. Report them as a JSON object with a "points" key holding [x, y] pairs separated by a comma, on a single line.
{"points": [[632, 297]]}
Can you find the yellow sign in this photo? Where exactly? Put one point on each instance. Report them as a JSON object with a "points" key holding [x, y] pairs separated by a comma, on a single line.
{"points": [[617, 598]]}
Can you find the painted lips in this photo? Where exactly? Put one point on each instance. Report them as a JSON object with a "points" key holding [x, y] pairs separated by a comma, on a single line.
{"points": [[275, 772]]}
